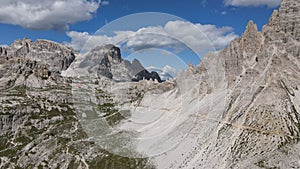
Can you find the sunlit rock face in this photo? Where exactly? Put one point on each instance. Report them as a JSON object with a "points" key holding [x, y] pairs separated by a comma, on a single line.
{"points": [[290, 18], [35, 64], [57, 56], [259, 122]]}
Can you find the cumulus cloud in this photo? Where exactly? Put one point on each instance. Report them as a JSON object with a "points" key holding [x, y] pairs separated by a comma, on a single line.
{"points": [[175, 35], [170, 70], [46, 14], [78, 39], [269, 3]]}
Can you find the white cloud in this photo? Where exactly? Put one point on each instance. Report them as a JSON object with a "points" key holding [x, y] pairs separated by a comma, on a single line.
{"points": [[46, 14], [172, 35], [78, 39], [269, 3], [170, 70]]}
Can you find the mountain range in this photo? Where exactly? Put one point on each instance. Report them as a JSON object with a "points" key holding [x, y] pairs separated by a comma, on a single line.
{"points": [[239, 108]]}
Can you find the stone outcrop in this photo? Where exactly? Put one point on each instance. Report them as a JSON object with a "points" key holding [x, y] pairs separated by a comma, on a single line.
{"points": [[144, 74], [289, 14], [56, 56], [135, 67], [242, 52], [28, 67], [34, 64]]}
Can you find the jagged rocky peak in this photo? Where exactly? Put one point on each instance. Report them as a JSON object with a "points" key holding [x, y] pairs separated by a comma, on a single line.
{"points": [[114, 53], [50, 45], [241, 52], [19, 48], [250, 29], [144, 74], [58, 57], [106, 61], [110, 51], [136, 67], [34, 64], [254, 47], [274, 21], [19, 43], [98, 60], [240, 108], [251, 38]]}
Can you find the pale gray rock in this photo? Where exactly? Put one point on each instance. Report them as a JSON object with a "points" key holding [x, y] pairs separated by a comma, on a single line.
{"points": [[135, 67], [57, 56], [258, 124], [289, 14]]}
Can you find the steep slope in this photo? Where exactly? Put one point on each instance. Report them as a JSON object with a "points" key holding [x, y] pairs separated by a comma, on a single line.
{"points": [[261, 118], [240, 106]]}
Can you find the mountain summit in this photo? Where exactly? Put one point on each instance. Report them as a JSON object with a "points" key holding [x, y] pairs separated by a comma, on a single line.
{"points": [[106, 61]]}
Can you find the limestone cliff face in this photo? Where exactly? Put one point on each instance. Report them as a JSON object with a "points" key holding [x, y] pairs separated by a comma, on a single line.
{"points": [[289, 15], [34, 64], [262, 112], [57, 56], [242, 52]]}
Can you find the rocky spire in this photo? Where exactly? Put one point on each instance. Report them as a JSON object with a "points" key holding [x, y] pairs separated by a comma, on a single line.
{"points": [[251, 38], [251, 27], [274, 21]]}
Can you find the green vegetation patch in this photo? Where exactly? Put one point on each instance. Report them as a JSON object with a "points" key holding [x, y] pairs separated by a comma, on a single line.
{"points": [[112, 115]]}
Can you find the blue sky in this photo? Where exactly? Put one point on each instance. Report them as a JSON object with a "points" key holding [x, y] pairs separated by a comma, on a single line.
{"points": [[74, 21], [196, 11]]}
